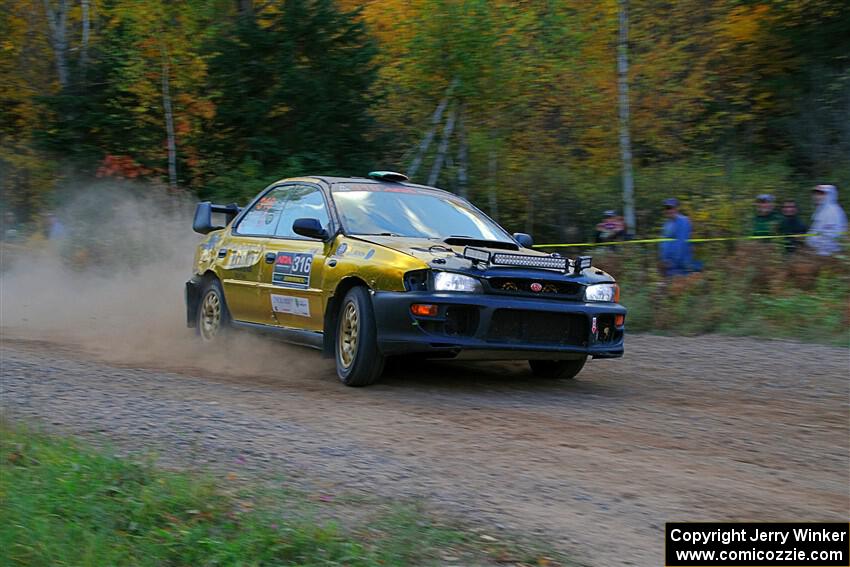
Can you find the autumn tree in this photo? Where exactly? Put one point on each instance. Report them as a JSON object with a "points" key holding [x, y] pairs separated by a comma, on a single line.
{"points": [[292, 93]]}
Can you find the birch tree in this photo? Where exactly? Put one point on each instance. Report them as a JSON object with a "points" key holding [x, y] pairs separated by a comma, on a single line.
{"points": [[57, 35], [625, 137], [462, 156], [443, 148], [169, 121], [429, 134], [86, 23]]}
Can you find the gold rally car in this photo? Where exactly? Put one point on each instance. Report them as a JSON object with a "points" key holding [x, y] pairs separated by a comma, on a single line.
{"points": [[369, 268]]}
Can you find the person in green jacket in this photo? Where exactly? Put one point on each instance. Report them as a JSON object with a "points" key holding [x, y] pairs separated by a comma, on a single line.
{"points": [[766, 220]]}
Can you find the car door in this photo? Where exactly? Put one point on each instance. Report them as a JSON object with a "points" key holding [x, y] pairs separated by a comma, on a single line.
{"points": [[240, 258], [293, 266]]}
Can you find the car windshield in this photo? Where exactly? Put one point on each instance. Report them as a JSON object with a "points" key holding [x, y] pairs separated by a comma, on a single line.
{"points": [[400, 211]]}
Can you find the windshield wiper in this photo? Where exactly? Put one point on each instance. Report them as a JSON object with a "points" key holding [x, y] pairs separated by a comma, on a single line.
{"points": [[376, 234]]}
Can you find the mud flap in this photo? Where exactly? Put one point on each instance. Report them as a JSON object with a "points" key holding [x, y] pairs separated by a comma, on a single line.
{"points": [[193, 299]]}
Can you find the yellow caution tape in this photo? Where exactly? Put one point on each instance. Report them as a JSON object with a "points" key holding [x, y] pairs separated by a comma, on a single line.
{"points": [[654, 240]]}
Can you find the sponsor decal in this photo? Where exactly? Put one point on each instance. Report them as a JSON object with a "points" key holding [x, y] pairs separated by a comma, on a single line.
{"points": [[211, 242], [536, 287], [292, 270], [341, 249], [290, 304], [369, 254], [241, 258], [593, 328], [207, 248], [375, 188]]}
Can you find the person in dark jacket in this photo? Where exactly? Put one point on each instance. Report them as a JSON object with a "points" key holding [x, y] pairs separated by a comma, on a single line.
{"points": [[791, 224], [766, 219], [611, 228]]}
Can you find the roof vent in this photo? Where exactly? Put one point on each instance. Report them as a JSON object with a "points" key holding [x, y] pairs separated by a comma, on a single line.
{"points": [[388, 176]]}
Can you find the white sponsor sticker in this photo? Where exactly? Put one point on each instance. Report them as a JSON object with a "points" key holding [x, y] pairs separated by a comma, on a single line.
{"points": [[292, 305]]}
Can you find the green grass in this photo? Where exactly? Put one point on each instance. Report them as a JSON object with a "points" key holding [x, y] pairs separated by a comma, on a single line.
{"points": [[63, 503]]}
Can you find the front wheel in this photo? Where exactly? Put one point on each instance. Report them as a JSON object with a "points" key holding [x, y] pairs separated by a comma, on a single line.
{"points": [[562, 369], [358, 360]]}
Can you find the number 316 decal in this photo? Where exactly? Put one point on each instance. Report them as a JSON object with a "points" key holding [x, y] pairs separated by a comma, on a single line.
{"points": [[292, 270]]}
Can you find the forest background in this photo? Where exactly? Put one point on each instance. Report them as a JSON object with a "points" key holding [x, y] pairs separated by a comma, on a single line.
{"points": [[517, 105]]}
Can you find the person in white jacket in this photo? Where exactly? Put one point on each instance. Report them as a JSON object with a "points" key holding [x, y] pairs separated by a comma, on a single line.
{"points": [[828, 221]]}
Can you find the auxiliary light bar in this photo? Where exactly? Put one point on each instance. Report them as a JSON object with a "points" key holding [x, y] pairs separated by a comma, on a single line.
{"points": [[527, 261]]}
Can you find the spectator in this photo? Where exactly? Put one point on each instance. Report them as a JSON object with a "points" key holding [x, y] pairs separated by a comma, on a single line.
{"points": [[676, 258], [611, 228], [54, 228], [766, 220], [10, 227], [828, 221], [791, 224]]}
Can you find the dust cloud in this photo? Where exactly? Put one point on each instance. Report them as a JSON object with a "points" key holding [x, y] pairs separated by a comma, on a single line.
{"points": [[111, 285]]}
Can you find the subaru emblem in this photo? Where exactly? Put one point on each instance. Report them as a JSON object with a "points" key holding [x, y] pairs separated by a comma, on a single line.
{"points": [[536, 287]]}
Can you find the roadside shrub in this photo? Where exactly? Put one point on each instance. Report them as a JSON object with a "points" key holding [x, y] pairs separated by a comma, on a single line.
{"points": [[755, 290]]}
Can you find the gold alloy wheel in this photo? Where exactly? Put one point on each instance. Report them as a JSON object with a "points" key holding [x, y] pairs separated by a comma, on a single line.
{"points": [[349, 331], [210, 316]]}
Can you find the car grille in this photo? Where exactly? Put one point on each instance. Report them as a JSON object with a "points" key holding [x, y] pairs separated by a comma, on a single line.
{"points": [[458, 321], [524, 286], [538, 327]]}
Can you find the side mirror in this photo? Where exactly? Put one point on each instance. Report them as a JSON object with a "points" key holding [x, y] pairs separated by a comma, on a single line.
{"points": [[202, 222], [524, 239], [311, 228]]}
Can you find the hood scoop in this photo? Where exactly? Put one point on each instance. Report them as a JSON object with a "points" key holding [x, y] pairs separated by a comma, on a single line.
{"points": [[463, 240], [435, 250]]}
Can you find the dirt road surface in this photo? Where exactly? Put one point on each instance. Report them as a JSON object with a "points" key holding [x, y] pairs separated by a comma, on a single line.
{"points": [[682, 429]]}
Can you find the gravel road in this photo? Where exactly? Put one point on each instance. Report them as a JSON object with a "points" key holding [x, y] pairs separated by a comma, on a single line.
{"points": [[682, 429]]}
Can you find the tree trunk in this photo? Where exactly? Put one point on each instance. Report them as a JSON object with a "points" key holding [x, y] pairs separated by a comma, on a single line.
{"points": [[462, 157], [429, 135], [84, 48], [492, 194], [443, 148], [169, 122], [245, 8], [57, 35], [625, 137], [529, 210]]}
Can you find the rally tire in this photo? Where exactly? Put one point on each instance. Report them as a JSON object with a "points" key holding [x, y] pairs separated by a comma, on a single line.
{"points": [[358, 360], [213, 319], [557, 369]]}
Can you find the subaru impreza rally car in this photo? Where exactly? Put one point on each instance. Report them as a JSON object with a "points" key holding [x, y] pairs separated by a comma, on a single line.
{"points": [[370, 268]]}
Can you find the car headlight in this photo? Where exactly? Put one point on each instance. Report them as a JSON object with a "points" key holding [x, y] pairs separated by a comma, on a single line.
{"points": [[448, 281], [602, 292]]}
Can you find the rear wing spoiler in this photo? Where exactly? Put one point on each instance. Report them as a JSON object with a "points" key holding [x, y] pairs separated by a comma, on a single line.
{"points": [[204, 210]]}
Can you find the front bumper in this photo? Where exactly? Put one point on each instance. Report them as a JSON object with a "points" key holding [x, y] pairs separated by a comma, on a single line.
{"points": [[490, 327]]}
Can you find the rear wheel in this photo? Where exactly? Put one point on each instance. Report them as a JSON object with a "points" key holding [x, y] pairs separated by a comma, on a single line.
{"points": [[358, 360], [213, 317], [562, 369]]}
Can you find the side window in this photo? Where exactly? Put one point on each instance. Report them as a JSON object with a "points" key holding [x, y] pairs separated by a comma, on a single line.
{"points": [[264, 216], [304, 202]]}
